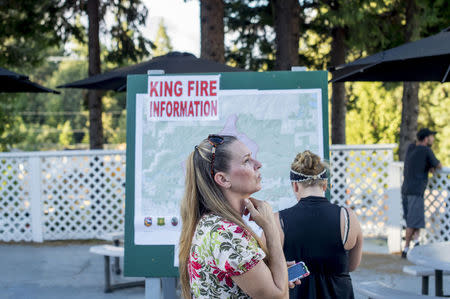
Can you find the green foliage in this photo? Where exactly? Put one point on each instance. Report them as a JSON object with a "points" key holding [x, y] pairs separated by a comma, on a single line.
{"points": [[371, 25], [41, 121], [111, 118], [59, 122], [162, 41], [434, 113], [54, 122], [120, 136], [374, 114], [314, 50], [29, 28], [248, 25], [126, 40], [8, 135], [44, 116], [35, 137], [66, 135]]}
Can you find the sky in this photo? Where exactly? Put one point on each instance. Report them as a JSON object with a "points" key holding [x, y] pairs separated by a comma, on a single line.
{"points": [[182, 21]]}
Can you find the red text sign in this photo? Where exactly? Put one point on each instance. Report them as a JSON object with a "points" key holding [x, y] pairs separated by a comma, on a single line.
{"points": [[174, 98]]}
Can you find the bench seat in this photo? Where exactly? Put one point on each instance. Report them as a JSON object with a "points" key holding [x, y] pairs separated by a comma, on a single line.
{"points": [[117, 239], [117, 252], [423, 272], [378, 290], [107, 250]]}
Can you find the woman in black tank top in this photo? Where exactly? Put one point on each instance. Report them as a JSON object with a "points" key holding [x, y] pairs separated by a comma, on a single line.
{"points": [[325, 236]]}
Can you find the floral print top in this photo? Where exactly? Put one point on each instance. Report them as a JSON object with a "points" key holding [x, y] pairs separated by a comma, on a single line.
{"points": [[220, 249]]}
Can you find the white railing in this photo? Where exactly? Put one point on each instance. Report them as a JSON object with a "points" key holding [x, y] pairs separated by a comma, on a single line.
{"points": [[61, 195], [81, 194], [360, 179], [437, 203]]}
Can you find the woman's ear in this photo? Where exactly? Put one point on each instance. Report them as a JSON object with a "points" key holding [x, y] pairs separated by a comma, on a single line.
{"points": [[295, 187], [222, 180]]}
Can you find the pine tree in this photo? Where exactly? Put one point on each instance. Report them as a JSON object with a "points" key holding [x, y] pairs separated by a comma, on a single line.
{"points": [[287, 32], [49, 23], [162, 41], [212, 30]]}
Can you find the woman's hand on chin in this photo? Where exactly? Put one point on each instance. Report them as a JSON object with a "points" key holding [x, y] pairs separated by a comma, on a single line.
{"points": [[260, 212]]}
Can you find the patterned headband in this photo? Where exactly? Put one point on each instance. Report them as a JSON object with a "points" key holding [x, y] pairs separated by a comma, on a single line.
{"points": [[300, 177]]}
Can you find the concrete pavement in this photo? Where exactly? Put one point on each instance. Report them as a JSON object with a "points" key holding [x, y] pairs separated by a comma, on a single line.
{"points": [[68, 270], [55, 271]]}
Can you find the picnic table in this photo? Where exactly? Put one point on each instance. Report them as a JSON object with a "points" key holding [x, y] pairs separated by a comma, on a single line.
{"points": [[116, 238], [435, 256], [116, 251]]}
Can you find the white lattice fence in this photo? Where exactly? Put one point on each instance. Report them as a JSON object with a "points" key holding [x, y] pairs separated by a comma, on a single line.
{"points": [[359, 180], [437, 203], [81, 194], [15, 203], [437, 207], [62, 195]]}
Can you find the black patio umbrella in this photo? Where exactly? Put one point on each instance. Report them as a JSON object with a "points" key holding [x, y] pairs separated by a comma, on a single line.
{"points": [[171, 63], [427, 59], [14, 82]]}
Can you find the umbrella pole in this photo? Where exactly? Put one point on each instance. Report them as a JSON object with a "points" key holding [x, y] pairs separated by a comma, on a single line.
{"points": [[446, 74]]}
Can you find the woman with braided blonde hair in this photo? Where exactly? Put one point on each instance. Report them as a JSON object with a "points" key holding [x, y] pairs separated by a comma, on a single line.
{"points": [[325, 236], [220, 256]]}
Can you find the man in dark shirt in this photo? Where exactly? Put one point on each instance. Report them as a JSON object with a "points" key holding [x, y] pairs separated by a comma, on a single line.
{"points": [[419, 160]]}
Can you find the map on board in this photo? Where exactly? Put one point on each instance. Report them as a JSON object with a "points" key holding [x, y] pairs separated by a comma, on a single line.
{"points": [[274, 124]]}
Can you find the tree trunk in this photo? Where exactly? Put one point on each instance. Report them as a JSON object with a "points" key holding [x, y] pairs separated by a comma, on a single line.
{"points": [[287, 30], [94, 96], [410, 98], [212, 32], [338, 96], [410, 113]]}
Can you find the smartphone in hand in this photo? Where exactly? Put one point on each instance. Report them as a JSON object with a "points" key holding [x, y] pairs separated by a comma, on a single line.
{"points": [[297, 271]]}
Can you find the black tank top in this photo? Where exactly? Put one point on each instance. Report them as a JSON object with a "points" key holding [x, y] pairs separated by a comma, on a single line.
{"points": [[312, 234]]}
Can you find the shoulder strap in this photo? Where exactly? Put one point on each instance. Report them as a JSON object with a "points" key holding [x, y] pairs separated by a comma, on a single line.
{"points": [[346, 225]]}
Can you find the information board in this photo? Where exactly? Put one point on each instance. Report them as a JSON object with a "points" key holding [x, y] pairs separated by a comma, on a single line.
{"points": [[276, 114]]}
